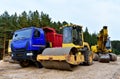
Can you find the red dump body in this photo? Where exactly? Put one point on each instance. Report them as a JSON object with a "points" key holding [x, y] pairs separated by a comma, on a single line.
{"points": [[53, 37]]}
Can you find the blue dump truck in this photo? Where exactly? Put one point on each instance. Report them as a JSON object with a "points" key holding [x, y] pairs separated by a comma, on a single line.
{"points": [[27, 43]]}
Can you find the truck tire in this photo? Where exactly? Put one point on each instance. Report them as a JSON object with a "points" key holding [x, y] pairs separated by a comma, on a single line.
{"points": [[24, 63], [38, 64], [88, 58]]}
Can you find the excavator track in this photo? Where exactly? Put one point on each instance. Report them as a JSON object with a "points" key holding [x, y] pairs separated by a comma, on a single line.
{"points": [[113, 57], [60, 58], [104, 58]]}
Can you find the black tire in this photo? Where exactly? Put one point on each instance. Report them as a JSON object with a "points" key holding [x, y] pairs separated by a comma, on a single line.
{"points": [[87, 55], [38, 64], [24, 63]]}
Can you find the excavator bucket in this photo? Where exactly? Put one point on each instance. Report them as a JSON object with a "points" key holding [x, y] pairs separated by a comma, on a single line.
{"points": [[60, 58]]}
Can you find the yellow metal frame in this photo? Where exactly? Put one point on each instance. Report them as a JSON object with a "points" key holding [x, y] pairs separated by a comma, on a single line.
{"points": [[71, 45], [68, 58], [41, 57], [76, 46]]}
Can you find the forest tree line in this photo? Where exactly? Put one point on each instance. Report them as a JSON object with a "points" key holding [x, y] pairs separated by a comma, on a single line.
{"points": [[10, 23]]}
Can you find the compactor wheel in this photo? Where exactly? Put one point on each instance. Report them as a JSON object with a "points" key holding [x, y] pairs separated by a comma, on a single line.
{"points": [[24, 63], [88, 58], [113, 57]]}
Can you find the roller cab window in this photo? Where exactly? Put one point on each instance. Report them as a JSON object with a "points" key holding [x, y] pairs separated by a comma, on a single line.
{"points": [[77, 35]]}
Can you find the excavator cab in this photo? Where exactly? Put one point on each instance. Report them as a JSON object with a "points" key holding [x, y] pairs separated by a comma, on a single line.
{"points": [[108, 44]]}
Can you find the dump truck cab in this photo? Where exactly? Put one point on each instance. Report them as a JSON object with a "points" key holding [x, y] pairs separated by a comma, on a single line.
{"points": [[27, 43]]}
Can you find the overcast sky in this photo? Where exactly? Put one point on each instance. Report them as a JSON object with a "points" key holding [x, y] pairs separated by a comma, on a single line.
{"points": [[93, 14]]}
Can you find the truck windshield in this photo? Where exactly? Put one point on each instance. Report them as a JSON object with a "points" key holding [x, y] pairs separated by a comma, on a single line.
{"points": [[22, 34], [67, 34]]}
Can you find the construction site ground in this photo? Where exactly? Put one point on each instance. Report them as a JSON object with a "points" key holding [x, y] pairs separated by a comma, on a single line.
{"points": [[96, 71]]}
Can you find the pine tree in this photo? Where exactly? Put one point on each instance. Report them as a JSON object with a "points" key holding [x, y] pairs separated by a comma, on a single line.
{"points": [[45, 20], [35, 19], [23, 20]]}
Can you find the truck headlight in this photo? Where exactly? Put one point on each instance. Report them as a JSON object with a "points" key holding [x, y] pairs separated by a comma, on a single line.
{"points": [[29, 54], [12, 55]]}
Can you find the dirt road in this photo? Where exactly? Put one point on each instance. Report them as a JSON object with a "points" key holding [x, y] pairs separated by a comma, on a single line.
{"points": [[96, 71]]}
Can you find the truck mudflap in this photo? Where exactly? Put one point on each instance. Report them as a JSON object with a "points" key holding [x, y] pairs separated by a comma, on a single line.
{"points": [[60, 58], [106, 58]]}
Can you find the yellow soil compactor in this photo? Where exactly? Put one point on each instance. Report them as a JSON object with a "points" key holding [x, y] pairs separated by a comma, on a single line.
{"points": [[103, 49], [74, 51]]}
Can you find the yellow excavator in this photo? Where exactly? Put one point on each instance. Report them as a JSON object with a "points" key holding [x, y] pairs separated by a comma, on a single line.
{"points": [[103, 49], [74, 51]]}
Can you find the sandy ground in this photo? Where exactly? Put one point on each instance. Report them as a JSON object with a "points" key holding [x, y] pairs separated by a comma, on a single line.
{"points": [[96, 71]]}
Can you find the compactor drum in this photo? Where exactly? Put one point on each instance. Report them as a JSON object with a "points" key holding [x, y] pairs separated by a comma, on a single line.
{"points": [[73, 51], [60, 58]]}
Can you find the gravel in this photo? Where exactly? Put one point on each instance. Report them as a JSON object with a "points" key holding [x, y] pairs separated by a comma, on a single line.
{"points": [[96, 71]]}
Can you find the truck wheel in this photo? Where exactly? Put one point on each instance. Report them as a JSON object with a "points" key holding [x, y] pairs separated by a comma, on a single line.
{"points": [[24, 63], [88, 58], [38, 64]]}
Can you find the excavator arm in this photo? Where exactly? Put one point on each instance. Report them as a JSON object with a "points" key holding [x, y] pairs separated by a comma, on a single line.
{"points": [[102, 40]]}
